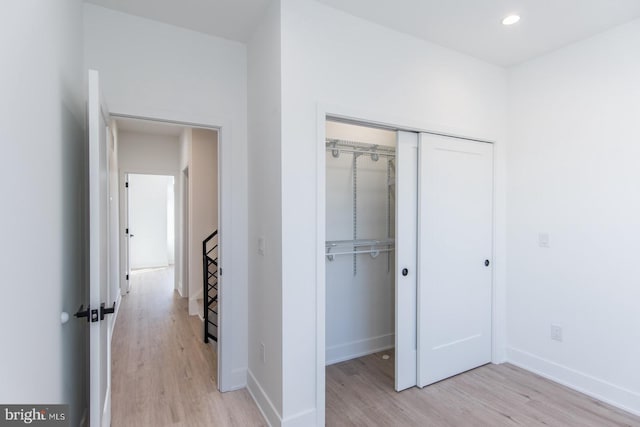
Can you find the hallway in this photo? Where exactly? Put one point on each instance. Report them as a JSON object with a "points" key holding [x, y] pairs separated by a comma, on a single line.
{"points": [[162, 372]]}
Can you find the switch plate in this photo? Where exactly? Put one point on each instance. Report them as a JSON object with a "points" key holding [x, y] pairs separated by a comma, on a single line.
{"points": [[263, 356], [543, 239], [556, 333], [261, 246]]}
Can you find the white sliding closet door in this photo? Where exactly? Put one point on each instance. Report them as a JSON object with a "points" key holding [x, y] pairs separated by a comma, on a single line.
{"points": [[455, 247], [406, 259]]}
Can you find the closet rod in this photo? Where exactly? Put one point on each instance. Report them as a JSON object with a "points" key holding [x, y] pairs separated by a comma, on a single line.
{"points": [[360, 242], [372, 252]]}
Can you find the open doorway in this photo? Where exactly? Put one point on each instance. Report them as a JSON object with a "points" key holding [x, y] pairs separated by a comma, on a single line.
{"points": [[438, 216], [169, 192], [185, 160], [151, 222]]}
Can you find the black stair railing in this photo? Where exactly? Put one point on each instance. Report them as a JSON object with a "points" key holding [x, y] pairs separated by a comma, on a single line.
{"points": [[210, 290]]}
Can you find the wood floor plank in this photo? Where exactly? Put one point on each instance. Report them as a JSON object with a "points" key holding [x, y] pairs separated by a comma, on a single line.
{"points": [[162, 372], [360, 392], [164, 375]]}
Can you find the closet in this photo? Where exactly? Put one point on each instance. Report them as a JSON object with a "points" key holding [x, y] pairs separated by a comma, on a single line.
{"points": [[408, 250], [360, 245]]}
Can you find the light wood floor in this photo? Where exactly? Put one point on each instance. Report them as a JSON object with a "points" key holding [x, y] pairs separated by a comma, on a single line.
{"points": [[360, 393], [162, 372], [164, 375]]}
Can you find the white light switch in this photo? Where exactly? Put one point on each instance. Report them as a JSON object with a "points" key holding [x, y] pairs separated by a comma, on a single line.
{"points": [[543, 240], [261, 245]]}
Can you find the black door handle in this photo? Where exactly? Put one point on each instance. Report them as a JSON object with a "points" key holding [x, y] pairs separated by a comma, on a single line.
{"points": [[83, 313], [104, 310], [486, 263], [405, 271], [130, 235]]}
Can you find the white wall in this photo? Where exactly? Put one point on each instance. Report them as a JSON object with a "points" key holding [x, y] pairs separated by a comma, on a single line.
{"points": [[150, 69], [360, 305], [333, 61], [573, 173], [146, 153], [43, 224], [148, 220], [203, 204], [265, 221]]}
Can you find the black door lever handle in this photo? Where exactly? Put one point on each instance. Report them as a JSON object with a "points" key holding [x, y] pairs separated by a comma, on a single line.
{"points": [[83, 313], [104, 310]]}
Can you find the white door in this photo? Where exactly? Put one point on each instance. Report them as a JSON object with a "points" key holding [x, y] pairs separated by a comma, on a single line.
{"points": [[99, 331], [406, 191], [455, 248]]}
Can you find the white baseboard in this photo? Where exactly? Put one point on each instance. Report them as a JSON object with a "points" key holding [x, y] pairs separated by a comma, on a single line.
{"points": [[269, 412], [302, 419], [612, 394], [118, 303], [194, 310], [180, 290], [238, 379], [196, 295], [348, 351], [112, 325]]}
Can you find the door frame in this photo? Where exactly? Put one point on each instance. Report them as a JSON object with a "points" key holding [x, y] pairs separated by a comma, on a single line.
{"points": [[185, 253], [127, 214], [385, 121], [227, 378]]}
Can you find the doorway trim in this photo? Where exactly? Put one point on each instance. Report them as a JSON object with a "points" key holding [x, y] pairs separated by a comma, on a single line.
{"points": [[384, 121], [228, 379], [185, 253], [125, 176]]}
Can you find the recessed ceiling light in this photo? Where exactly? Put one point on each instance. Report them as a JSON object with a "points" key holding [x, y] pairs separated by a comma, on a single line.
{"points": [[511, 19]]}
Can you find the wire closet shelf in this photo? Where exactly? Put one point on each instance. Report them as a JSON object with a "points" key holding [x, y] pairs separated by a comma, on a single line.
{"points": [[337, 146], [354, 247], [358, 246]]}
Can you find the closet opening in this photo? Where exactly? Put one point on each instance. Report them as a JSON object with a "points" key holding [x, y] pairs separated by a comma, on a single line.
{"points": [[406, 269], [360, 265]]}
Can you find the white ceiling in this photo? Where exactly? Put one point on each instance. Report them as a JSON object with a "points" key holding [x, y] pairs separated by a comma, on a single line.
{"points": [[475, 26], [469, 26], [230, 19]]}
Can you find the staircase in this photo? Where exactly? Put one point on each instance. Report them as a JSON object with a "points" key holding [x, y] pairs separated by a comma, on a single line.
{"points": [[210, 290]]}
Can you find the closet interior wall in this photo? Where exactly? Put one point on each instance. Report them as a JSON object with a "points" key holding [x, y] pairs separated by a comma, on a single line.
{"points": [[360, 217]]}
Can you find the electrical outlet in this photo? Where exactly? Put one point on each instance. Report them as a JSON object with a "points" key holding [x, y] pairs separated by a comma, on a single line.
{"points": [[556, 333], [543, 240], [263, 357]]}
